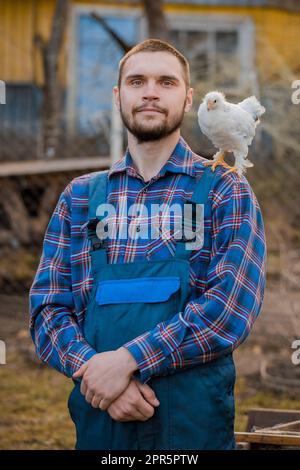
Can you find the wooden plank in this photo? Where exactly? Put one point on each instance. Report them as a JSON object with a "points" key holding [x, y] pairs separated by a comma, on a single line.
{"points": [[286, 427], [265, 417], [268, 438], [34, 167]]}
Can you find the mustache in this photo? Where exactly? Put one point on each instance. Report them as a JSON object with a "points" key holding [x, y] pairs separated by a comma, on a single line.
{"points": [[145, 106]]}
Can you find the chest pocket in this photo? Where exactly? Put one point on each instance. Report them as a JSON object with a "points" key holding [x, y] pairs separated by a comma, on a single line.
{"points": [[137, 290]]}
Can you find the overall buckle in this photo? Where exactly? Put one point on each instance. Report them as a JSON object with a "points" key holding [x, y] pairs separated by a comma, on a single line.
{"points": [[91, 225]]}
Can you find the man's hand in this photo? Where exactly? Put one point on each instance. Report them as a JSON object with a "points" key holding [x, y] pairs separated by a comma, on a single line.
{"points": [[105, 376], [136, 403]]}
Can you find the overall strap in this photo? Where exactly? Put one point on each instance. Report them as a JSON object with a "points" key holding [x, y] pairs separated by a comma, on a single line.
{"points": [[97, 191], [97, 195], [201, 191], [199, 196]]}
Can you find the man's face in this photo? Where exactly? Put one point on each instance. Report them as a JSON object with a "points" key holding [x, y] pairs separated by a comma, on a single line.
{"points": [[152, 97]]}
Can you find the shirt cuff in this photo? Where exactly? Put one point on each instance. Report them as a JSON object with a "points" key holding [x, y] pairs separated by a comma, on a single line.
{"points": [[151, 359], [77, 355]]}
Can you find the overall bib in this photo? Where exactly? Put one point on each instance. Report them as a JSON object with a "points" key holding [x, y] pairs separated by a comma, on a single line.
{"points": [[127, 299]]}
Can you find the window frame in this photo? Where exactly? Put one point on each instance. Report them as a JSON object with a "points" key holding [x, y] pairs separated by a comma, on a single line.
{"points": [[212, 23]]}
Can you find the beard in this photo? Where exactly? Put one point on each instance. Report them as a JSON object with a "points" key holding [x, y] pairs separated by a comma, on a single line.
{"points": [[150, 131]]}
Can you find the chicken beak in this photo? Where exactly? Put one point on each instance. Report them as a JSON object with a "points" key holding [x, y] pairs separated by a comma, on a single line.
{"points": [[209, 105]]}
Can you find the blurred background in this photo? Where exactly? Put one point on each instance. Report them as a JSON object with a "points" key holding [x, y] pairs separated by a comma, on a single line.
{"points": [[59, 61]]}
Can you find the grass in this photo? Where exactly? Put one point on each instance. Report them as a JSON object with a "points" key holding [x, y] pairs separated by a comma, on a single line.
{"points": [[248, 397], [34, 412]]}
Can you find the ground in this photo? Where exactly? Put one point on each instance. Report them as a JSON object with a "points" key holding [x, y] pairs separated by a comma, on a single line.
{"points": [[34, 397]]}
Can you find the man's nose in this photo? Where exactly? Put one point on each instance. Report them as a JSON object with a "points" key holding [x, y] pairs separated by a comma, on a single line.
{"points": [[151, 92]]}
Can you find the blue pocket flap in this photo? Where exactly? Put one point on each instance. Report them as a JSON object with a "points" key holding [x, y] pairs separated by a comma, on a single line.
{"points": [[145, 289]]}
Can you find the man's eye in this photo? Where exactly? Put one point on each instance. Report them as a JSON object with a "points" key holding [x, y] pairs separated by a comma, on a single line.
{"points": [[136, 82], [167, 83]]}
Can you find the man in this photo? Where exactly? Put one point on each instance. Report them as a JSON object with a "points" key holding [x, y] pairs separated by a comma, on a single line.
{"points": [[143, 325]]}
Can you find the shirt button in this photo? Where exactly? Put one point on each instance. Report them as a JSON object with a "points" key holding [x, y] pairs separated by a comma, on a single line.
{"points": [[138, 228]]}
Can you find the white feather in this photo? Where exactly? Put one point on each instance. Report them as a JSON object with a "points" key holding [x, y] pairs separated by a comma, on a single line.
{"points": [[253, 107], [231, 127]]}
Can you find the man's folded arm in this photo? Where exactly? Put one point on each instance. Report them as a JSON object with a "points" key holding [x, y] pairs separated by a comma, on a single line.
{"points": [[221, 318], [54, 329]]}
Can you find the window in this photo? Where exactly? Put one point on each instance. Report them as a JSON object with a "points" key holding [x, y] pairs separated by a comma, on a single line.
{"points": [[218, 47], [93, 69]]}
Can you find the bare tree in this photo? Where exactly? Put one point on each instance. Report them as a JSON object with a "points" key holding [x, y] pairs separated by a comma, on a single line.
{"points": [[115, 36], [52, 92], [156, 19]]}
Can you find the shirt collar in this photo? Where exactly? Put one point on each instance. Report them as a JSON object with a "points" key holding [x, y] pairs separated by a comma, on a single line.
{"points": [[181, 160]]}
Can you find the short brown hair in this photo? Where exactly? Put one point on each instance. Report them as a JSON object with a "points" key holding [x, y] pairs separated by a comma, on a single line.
{"points": [[156, 45]]}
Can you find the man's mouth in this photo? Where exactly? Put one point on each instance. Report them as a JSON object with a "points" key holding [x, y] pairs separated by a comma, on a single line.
{"points": [[149, 110]]}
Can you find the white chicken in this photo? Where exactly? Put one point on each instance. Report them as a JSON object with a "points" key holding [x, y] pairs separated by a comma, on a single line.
{"points": [[230, 127]]}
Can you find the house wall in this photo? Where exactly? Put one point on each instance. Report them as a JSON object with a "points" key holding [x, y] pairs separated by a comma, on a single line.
{"points": [[277, 33]]}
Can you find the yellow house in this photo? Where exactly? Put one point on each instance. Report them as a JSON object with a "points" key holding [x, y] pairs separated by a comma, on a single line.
{"points": [[236, 45]]}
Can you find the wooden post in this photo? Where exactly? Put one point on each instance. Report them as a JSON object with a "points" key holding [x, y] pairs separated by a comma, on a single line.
{"points": [[116, 134]]}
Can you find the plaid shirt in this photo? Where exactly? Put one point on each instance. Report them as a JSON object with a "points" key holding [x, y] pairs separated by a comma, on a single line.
{"points": [[225, 304]]}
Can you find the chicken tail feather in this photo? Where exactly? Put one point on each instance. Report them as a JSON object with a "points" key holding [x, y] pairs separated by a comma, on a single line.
{"points": [[253, 107]]}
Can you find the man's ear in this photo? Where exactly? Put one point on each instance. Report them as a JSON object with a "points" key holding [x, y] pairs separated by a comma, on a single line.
{"points": [[117, 97], [189, 100]]}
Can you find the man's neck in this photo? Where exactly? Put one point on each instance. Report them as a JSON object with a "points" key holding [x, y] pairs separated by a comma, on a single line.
{"points": [[150, 157]]}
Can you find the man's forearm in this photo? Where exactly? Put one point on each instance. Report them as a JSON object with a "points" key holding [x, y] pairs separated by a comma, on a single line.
{"points": [[58, 340], [130, 361]]}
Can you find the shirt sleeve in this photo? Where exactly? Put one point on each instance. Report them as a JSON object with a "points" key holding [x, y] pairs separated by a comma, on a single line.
{"points": [[222, 317], [54, 330]]}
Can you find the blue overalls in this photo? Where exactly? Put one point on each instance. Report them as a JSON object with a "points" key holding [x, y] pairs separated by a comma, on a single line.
{"points": [[196, 404]]}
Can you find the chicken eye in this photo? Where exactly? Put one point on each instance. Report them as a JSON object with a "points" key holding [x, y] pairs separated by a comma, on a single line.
{"points": [[215, 101]]}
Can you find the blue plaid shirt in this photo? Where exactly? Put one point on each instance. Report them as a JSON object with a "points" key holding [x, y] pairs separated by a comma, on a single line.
{"points": [[225, 304]]}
